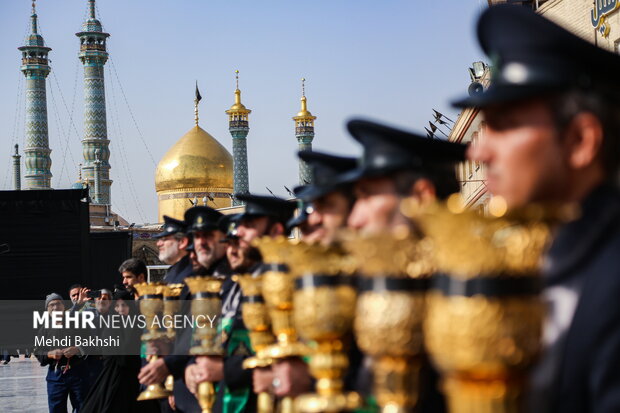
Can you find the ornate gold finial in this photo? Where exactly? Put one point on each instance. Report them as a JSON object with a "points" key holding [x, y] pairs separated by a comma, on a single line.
{"points": [[303, 87], [196, 101], [237, 78], [80, 173]]}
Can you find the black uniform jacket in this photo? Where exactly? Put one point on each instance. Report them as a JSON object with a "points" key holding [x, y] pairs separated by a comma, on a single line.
{"points": [[586, 252], [185, 401]]}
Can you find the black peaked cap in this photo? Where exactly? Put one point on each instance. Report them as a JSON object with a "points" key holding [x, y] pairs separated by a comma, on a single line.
{"points": [[304, 210], [171, 226], [325, 168], [387, 150], [532, 56], [202, 218], [265, 205], [228, 225]]}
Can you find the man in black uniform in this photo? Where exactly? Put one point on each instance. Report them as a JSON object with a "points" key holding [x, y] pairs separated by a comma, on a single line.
{"points": [[553, 124], [201, 224], [263, 216], [171, 242], [331, 200], [327, 203], [397, 164]]}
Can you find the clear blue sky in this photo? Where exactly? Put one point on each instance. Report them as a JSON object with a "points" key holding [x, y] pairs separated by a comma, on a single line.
{"points": [[391, 60]]}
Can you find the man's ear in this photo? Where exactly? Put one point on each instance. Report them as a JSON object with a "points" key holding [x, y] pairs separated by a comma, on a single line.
{"points": [[584, 139], [183, 243], [424, 190], [276, 229]]}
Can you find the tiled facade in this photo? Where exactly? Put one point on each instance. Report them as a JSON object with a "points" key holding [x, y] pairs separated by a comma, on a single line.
{"points": [[35, 66], [93, 56]]}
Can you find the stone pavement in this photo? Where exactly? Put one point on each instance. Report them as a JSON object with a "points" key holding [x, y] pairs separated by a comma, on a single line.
{"points": [[23, 387]]}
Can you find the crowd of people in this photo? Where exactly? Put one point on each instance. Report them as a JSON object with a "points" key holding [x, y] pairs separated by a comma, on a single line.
{"points": [[552, 135]]}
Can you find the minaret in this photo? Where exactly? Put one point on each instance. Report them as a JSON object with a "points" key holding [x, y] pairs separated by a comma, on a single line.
{"points": [[304, 131], [93, 56], [17, 180], [35, 67], [97, 170], [239, 127]]}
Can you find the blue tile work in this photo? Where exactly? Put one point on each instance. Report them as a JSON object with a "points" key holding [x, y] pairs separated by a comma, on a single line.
{"points": [[239, 126], [241, 184], [305, 173], [35, 66], [93, 55]]}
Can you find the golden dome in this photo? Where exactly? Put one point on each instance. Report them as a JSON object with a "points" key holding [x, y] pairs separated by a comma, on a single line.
{"points": [[196, 167]]}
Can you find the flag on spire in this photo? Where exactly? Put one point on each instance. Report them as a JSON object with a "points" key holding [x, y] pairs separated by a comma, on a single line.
{"points": [[198, 97]]}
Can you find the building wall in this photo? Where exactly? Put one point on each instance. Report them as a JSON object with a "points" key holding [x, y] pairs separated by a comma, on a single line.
{"points": [[575, 15], [175, 203], [469, 128]]}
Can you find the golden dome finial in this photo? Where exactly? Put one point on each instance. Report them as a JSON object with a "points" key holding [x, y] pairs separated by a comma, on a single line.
{"points": [[237, 108], [237, 91], [304, 114], [196, 101]]}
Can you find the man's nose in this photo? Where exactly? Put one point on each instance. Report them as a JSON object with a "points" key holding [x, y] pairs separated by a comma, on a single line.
{"points": [[356, 220], [314, 218]]}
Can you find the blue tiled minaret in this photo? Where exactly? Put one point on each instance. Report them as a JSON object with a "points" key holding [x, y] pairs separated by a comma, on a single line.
{"points": [[17, 175], [239, 127], [93, 56], [35, 66], [304, 131]]}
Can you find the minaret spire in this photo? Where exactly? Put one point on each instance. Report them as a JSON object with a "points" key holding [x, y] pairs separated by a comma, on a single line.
{"points": [[35, 67], [93, 55], [17, 180], [238, 125], [33, 19], [304, 131], [91, 8]]}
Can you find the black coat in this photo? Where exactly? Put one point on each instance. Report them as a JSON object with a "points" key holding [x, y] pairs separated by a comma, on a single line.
{"points": [[176, 273], [178, 361], [586, 253]]}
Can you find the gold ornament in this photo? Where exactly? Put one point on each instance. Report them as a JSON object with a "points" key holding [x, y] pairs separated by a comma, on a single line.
{"points": [[206, 306], [484, 314], [394, 270], [152, 307]]}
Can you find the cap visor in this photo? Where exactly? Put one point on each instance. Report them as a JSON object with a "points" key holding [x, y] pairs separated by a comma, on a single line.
{"points": [[311, 192], [298, 220], [503, 94]]}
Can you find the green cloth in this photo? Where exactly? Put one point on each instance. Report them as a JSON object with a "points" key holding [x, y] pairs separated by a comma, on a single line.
{"points": [[370, 406], [235, 401]]}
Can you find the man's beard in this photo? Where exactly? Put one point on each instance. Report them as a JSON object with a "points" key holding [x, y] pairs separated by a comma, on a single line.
{"points": [[206, 258], [250, 256], [165, 256]]}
